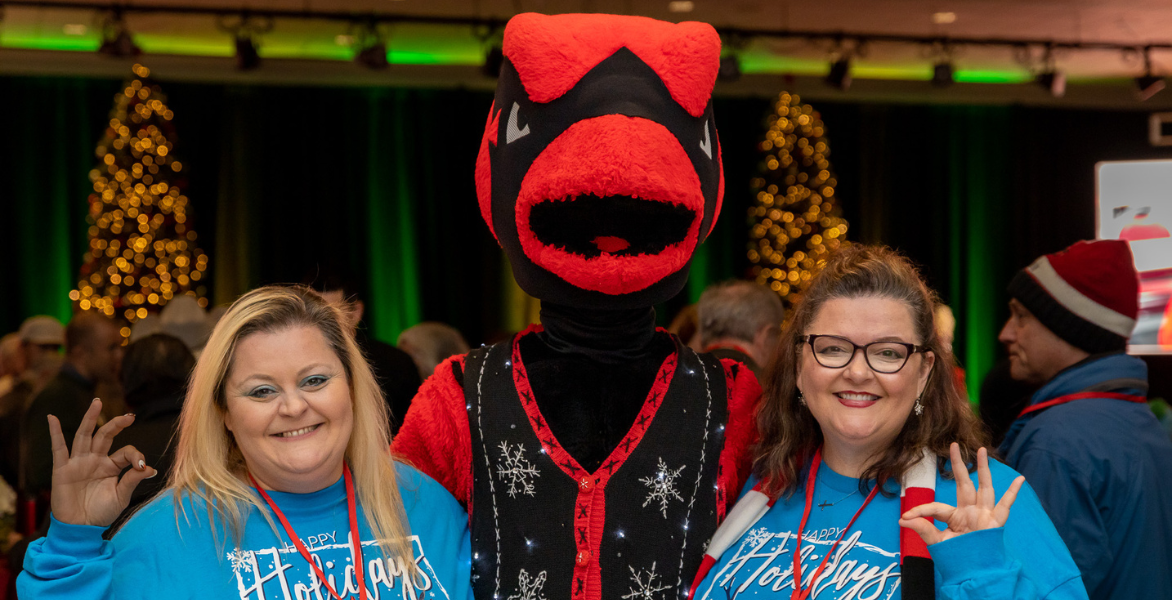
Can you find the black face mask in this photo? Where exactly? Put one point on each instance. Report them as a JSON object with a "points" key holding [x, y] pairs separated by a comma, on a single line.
{"points": [[600, 196]]}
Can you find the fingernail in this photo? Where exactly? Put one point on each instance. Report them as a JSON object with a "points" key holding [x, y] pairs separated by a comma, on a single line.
{"points": [[94, 400], [141, 464], [152, 475], [130, 414]]}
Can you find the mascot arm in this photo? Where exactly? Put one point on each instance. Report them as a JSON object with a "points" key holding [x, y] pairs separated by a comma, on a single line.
{"points": [[736, 459], [435, 438]]}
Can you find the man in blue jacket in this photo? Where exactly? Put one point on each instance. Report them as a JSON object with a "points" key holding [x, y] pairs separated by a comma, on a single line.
{"points": [[1087, 442]]}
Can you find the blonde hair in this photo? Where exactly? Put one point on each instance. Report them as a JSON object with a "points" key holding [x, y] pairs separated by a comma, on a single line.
{"points": [[208, 462]]}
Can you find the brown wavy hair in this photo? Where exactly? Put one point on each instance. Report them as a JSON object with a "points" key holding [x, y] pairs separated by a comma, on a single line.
{"points": [[788, 433]]}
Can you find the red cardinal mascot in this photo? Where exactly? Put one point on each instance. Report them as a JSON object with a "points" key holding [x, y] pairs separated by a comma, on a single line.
{"points": [[596, 455]]}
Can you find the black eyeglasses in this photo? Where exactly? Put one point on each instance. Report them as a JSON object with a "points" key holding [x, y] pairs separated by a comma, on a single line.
{"points": [[834, 352]]}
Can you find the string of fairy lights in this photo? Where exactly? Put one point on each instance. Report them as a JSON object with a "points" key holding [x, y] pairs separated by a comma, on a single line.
{"points": [[142, 250], [794, 222]]}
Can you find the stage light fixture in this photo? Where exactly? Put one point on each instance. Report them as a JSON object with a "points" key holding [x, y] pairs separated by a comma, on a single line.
{"points": [[372, 47], [373, 56], [730, 68], [1148, 85], [494, 59], [1053, 81], [942, 74], [247, 57], [116, 39], [840, 74]]}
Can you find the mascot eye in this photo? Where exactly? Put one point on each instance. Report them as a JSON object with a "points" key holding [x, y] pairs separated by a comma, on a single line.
{"points": [[513, 134], [705, 144]]}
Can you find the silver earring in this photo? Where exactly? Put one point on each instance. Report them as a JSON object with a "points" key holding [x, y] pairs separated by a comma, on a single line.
{"points": [[801, 398], [919, 407]]}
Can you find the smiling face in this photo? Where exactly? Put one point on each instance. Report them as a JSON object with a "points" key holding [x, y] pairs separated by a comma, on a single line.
{"points": [[860, 411], [289, 408]]}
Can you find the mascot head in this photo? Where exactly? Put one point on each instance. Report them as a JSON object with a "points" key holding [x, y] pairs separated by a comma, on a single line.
{"points": [[599, 171]]}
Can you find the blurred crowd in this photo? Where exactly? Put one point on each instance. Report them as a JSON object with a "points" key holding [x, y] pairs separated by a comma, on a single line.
{"points": [[53, 368]]}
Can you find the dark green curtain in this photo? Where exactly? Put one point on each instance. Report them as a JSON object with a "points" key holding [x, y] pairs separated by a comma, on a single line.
{"points": [[377, 182], [46, 153], [285, 179]]}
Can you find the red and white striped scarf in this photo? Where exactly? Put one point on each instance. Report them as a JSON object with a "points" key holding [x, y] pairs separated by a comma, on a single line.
{"points": [[917, 573]]}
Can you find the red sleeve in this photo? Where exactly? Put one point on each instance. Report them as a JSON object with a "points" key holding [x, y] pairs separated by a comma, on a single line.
{"points": [[434, 437], [736, 459]]}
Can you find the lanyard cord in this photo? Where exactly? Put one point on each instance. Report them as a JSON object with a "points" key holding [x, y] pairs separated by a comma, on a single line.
{"points": [[356, 540], [811, 479], [1081, 396]]}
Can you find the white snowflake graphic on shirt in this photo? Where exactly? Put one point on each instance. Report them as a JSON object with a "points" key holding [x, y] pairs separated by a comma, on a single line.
{"points": [[240, 560], [514, 467], [529, 589], [645, 589], [756, 537], [663, 487]]}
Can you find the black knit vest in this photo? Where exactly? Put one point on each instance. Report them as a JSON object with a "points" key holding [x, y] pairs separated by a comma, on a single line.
{"points": [[542, 527]]}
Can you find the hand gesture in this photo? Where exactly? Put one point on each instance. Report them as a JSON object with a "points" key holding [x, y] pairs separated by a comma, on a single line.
{"points": [[975, 508], [86, 488]]}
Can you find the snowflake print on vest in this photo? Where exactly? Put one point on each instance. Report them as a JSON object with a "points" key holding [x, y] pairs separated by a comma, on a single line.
{"points": [[517, 470], [595, 525], [645, 585], [529, 589], [663, 487]]}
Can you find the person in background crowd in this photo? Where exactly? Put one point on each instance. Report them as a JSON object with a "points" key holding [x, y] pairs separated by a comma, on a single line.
{"points": [[1002, 399], [1087, 441], [685, 325], [740, 320], [282, 485], [155, 370], [35, 362], [11, 362], [93, 355], [863, 438], [183, 318], [41, 339], [946, 329], [398, 377], [430, 343], [11, 405]]}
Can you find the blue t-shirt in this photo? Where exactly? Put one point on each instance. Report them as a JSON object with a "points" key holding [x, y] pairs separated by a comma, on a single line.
{"points": [[157, 556], [1024, 559]]}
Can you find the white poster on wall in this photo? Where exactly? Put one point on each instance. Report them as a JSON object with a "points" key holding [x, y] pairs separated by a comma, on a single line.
{"points": [[1134, 201]]}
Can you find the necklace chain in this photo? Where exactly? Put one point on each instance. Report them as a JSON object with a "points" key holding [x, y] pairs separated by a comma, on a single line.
{"points": [[823, 505]]}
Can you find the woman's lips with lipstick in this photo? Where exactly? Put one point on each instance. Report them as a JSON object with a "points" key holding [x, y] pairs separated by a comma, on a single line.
{"points": [[856, 399]]}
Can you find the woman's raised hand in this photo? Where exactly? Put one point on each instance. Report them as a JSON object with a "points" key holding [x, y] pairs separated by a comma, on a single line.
{"points": [[975, 508], [86, 488]]}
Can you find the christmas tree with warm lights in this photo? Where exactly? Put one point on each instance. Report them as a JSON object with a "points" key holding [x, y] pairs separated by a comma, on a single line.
{"points": [[142, 249], [794, 222]]}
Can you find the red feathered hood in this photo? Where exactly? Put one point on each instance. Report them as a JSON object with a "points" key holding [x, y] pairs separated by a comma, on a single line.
{"points": [[599, 170]]}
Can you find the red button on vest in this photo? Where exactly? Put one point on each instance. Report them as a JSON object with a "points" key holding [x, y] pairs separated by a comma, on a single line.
{"points": [[583, 558], [586, 484]]}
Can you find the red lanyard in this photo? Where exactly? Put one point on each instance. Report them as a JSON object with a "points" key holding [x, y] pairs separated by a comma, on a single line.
{"points": [[1080, 396], [356, 537], [811, 479]]}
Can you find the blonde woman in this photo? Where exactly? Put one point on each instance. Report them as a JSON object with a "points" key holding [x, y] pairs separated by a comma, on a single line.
{"points": [[283, 486]]}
